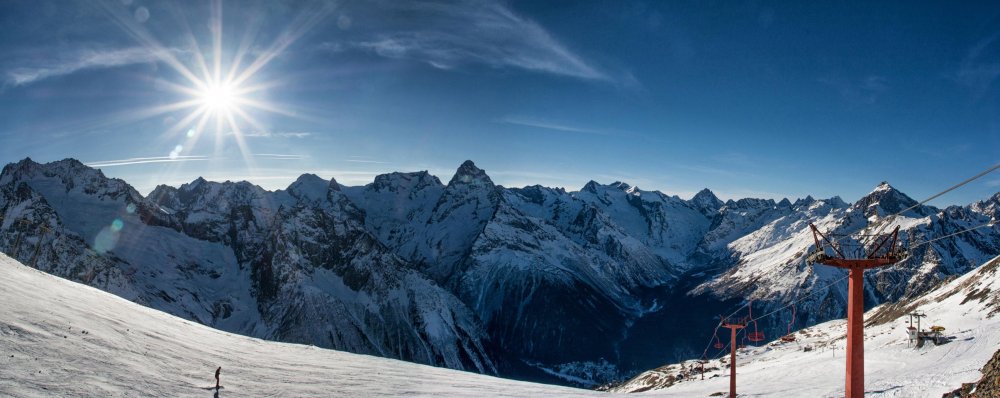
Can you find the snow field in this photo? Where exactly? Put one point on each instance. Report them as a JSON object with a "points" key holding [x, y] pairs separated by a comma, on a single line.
{"points": [[60, 338]]}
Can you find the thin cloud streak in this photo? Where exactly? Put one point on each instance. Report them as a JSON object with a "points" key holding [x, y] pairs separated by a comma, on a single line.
{"points": [[279, 156], [364, 161], [84, 60], [460, 33], [158, 159], [276, 134], [978, 69], [528, 122]]}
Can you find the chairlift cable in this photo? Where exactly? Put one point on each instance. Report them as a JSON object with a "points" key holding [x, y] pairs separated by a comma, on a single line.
{"points": [[935, 196]]}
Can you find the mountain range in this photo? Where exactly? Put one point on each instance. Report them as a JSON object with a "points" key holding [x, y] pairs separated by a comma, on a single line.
{"points": [[534, 283]]}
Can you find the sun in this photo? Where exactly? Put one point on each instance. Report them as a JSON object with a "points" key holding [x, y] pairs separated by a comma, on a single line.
{"points": [[219, 87], [219, 97]]}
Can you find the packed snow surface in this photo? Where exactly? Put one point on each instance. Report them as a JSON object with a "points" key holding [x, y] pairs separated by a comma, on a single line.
{"points": [[60, 338], [967, 307]]}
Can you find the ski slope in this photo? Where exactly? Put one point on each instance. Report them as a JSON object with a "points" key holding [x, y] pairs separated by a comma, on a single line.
{"points": [[60, 338], [967, 306]]}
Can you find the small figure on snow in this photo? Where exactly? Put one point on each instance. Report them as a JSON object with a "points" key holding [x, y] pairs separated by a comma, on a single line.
{"points": [[217, 377]]}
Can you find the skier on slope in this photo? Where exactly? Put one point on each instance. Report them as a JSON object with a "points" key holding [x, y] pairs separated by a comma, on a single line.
{"points": [[217, 377]]}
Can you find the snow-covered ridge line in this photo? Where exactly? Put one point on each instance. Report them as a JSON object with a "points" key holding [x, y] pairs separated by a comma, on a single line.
{"points": [[468, 274]]}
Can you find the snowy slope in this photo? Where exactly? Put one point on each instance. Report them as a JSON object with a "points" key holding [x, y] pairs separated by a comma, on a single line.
{"points": [[967, 306], [60, 338]]}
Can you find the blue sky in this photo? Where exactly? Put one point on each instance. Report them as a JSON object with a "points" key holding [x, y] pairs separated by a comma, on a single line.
{"points": [[761, 99]]}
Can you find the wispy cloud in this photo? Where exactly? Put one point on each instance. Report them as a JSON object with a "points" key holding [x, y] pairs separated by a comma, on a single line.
{"points": [[710, 170], [81, 60], [156, 159], [279, 156], [544, 124], [452, 34], [866, 90], [978, 70], [365, 161], [276, 134]]}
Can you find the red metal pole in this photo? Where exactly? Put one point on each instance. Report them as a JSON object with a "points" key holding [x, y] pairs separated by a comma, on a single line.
{"points": [[855, 334], [732, 363]]}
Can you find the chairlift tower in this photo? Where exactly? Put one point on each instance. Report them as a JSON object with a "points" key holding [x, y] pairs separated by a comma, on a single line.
{"points": [[880, 253], [733, 327]]}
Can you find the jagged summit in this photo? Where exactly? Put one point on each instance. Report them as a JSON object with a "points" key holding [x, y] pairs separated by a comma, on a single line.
{"points": [[706, 202], [884, 200], [193, 184], [468, 173], [594, 186], [707, 197], [307, 178], [624, 186], [311, 187], [406, 181], [65, 168]]}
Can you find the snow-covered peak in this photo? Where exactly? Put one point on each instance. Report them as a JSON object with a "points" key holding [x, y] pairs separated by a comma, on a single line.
{"points": [[989, 207], [63, 167], [706, 201], [836, 201], [469, 174], [806, 201], [405, 182], [885, 200], [333, 185], [193, 185], [625, 187], [591, 186], [539, 195], [749, 204], [70, 172], [310, 187]]}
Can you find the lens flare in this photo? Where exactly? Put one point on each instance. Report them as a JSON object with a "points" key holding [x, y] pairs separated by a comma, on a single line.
{"points": [[220, 90]]}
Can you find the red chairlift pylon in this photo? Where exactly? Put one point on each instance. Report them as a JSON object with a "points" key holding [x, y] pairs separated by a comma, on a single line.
{"points": [[789, 336], [733, 327], [883, 252]]}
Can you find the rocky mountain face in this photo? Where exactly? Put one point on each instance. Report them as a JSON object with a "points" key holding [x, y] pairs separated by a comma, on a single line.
{"points": [[987, 387], [533, 282], [295, 265]]}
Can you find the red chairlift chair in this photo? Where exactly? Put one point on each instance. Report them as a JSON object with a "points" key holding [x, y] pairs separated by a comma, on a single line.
{"points": [[755, 335], [789, 336]]}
